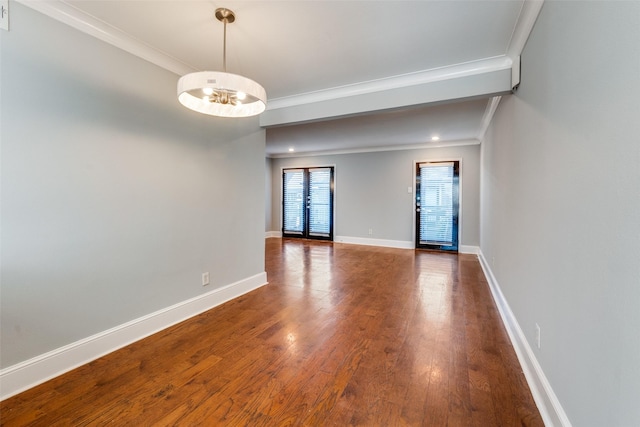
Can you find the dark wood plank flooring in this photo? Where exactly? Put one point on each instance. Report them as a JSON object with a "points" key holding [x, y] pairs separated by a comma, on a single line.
{"points": [[342, 335]]}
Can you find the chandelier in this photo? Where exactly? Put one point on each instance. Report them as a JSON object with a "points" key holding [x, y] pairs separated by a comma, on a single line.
{"points": [[220, 93]]}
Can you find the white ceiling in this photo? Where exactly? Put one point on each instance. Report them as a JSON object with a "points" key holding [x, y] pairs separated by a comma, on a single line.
{"points": [[324, 48], [401, 128]]}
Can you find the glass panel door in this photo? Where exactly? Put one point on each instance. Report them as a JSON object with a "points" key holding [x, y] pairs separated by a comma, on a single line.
{"points": [[308, 203], [319, 202], [293, 201], [437, 200]]}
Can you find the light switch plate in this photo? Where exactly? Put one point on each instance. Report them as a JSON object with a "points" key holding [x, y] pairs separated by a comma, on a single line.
{"points": [[4, 13]]}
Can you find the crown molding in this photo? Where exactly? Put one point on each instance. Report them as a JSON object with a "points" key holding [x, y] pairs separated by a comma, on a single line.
{"points": [[492, 106], [526, 20], [439, 144], [88, 24], [472, 68]]}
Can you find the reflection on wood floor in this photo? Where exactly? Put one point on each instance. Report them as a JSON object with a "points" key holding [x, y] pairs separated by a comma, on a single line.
{"points": [[342, 335]]}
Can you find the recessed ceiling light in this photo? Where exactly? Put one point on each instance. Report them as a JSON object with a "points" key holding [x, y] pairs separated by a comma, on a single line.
{"points": [[291, 150], [435, 138]]}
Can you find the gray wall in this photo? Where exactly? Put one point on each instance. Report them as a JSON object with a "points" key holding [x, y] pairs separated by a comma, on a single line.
{"points": [[560, 208], [114, 197], [371, 191], [268, 208]]}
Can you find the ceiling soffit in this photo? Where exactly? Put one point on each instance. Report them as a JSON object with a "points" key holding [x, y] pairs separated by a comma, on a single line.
{"points": [[485, 77]]}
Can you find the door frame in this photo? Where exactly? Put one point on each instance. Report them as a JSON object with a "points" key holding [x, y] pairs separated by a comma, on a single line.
{"points": [[413, 194], [333, 202]]}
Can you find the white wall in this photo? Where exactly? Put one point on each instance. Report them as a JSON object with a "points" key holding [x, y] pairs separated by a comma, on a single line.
{"points": [[114, 197], [371, 191], [560, 208]]}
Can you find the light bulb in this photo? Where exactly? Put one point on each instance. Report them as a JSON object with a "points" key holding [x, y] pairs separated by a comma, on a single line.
{"points": [[241, 95], [207, 90]]}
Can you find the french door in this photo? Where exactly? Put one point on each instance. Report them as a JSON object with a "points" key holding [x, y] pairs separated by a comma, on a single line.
{"points": [[307, 203], [437, 205]]}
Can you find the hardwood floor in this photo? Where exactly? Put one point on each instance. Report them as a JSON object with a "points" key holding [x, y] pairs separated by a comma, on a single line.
{"points": [[342, 335]]}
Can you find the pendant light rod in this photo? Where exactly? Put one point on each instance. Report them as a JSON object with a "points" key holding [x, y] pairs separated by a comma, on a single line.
{"points": [[225, 16], [224, 48]]}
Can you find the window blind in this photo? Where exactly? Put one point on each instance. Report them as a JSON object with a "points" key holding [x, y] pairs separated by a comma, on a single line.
{"points": [[294, 203], [320, 201], [436, 200]]}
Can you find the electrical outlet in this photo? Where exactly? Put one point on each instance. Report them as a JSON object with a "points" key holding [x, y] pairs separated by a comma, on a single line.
{"points": [[537, 335], [371, 232], [205, 279]]}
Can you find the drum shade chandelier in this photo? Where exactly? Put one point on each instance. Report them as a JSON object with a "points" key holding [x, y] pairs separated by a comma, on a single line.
{"points": [[220, 93]]}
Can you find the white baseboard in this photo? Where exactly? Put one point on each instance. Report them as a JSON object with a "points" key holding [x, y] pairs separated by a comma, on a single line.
{"points": [[269, 234], [466, 249], [27, 374], [548, 404], [400, 244]]}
